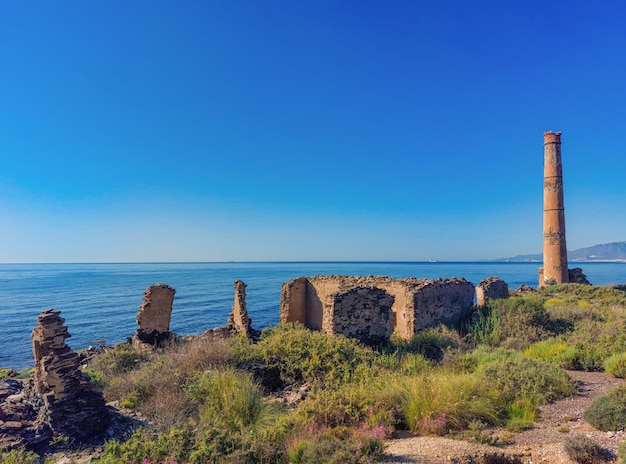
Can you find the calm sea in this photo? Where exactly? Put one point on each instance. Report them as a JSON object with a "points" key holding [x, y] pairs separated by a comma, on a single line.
{"points": [[99, 301]]}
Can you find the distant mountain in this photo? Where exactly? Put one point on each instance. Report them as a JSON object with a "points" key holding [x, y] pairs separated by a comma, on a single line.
{"points": [[606, 252], [615, 251]]}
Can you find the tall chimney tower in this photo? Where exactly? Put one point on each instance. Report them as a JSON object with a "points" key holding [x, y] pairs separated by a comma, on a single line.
{"points": [[554, 248]]}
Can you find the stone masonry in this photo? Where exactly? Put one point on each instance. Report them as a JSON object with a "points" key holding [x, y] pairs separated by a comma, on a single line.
{"points": [[490, 288], [372, 308], [69, 402], [239, 321], [155, 313], [554, 269]]}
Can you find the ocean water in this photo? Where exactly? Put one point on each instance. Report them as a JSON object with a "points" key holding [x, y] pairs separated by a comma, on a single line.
{"points": [[100, 301]]}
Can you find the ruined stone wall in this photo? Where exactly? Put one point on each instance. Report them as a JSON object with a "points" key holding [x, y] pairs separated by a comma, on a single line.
{"points": [[239, 321], [441, 301], [373, 307], [154, 314], [492, 287]]}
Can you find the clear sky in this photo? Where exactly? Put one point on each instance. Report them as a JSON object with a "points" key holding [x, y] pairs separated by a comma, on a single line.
{"points": [[306, 130]]}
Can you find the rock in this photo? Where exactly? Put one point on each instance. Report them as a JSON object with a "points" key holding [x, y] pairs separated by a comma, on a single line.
{"points": [[524, 289], [576, 276]]}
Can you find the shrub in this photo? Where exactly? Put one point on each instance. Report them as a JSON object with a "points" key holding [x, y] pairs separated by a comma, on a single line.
{"points": [[609, 411], [173, 445], [621, 451], [430, 343], [616, 365], [332, 447], [120, 359], [519, 377], [155, 388], [583, 450], [230, 400], [329, 450], [19, 457], [555, 350], [312, 356], [521, 415], [11, 374], [438, 402], [481, 356], [373, 400], [515, 322]]}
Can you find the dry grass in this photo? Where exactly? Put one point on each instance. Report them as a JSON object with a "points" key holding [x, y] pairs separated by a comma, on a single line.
{"points": [[156, 388]]}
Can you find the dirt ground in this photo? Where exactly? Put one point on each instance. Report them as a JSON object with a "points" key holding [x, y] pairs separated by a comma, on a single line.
{"points": [[542, 444]]}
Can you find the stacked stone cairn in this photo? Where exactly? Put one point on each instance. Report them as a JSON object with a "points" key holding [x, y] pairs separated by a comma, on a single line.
{"points": [[57, 399], [73, 406]]}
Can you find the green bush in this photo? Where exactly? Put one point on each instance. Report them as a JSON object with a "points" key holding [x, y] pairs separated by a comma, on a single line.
{"points": [[556, 350], [482, 355], [621, 451], [514, 322], [430, 343], [230, 400], [438, 402], [521, 415], [174, 445], [120, 359], [518, 377], [583, 450], [609, 411], [616, 365], [311, 356], [328, 450], [19, 457]]}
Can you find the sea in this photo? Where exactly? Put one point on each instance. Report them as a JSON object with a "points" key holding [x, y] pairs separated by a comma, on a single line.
{"points": [[100, 301]]}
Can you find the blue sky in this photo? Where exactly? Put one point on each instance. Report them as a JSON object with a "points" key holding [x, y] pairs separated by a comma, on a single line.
{"points": [[290, 130]]}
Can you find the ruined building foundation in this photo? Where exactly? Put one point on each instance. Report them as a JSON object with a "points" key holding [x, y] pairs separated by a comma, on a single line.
{"points": [[372, 308], [554, 269]]}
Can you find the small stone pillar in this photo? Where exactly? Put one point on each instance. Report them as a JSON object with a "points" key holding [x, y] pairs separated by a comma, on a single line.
{"points": [[239, 321], [554, 269], [69, 403], [155, 313], [491, 288]]}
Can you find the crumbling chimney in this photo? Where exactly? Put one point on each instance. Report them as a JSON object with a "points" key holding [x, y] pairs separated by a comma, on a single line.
{"points": [[554, 269]]}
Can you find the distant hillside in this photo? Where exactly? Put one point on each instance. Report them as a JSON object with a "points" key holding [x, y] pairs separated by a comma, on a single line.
{"points": [[615, 251], [606, 252]]}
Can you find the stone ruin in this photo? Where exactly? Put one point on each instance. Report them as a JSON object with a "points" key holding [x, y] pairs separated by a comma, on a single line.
{"points": [[154, 315], [491, 288], [372, 308], [56, 399], [239, 322]]}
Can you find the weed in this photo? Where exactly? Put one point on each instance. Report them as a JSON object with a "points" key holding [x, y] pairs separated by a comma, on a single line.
{"points": [[616, 365], [19, 457], [519, 377], [583, 450]]}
